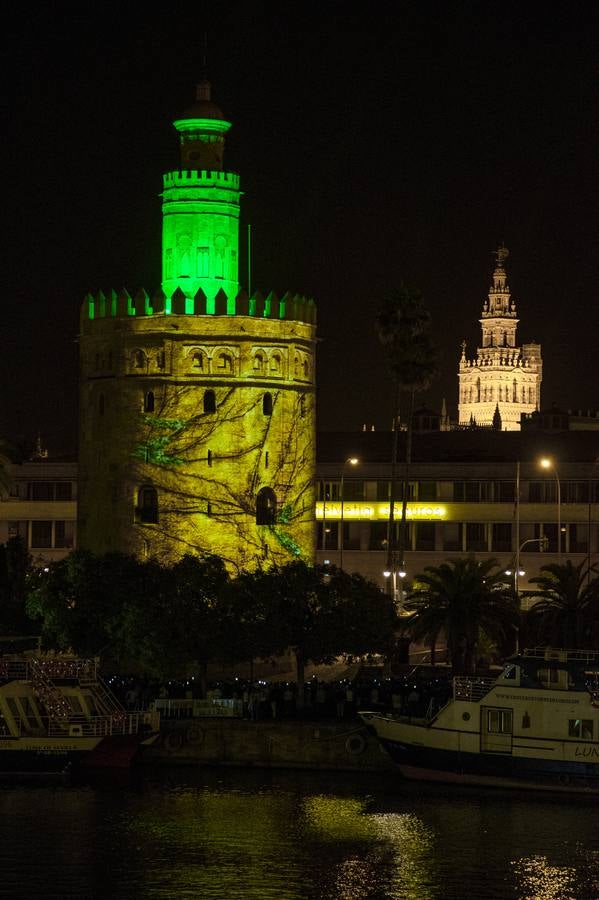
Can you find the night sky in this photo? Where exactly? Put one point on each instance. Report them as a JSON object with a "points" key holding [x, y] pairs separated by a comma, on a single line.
{"points": [[404, 143]]}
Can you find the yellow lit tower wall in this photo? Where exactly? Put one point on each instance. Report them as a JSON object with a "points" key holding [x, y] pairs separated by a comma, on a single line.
{"points": [[503, 378], [197, 404]]}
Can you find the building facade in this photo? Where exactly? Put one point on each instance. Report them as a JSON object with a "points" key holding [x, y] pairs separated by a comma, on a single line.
{"points": [[471, 492], [197, 406], [39, 505], [503, 382]]}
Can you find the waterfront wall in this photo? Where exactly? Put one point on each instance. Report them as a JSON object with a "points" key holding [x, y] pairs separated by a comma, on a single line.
{"points": [[238, 742]]}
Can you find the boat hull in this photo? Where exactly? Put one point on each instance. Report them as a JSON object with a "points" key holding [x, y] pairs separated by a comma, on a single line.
{"points": [[57, 756], [428, 764]]}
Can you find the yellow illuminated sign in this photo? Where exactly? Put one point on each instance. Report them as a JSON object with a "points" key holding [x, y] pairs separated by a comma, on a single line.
{"points": [[378, 511]]}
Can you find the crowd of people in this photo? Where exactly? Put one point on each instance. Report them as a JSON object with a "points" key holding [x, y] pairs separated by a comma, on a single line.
{"points": [[415, 694]]}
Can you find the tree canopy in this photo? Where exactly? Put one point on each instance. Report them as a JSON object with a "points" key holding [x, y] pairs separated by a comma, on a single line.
{"points": [[468, 602], [566, 608]]}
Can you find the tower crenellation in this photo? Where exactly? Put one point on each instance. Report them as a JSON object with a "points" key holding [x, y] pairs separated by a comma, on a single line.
{"points": [[503, 381]]}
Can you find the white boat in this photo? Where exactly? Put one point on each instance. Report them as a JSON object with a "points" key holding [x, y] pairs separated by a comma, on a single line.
{"points": [[56, 713], [536, 725]]}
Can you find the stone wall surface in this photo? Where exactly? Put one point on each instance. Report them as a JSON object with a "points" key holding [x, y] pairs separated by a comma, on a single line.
{"points": [[238, 742]]}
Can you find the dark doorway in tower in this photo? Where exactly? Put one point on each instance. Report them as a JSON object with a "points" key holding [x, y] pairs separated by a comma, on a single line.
{"points": [[209, 402], [266, 507], [147, 505]]}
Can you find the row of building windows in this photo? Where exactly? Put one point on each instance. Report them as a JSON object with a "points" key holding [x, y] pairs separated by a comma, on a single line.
{"points": [[208, 403], [493, 537], [147, 510], [463, 491], [46, 534], [504, 394], [42, 490], [223, 363], [202, 256]]}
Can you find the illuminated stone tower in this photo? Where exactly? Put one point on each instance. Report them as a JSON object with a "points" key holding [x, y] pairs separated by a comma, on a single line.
{"points": [[197, 408], [504, 380]]}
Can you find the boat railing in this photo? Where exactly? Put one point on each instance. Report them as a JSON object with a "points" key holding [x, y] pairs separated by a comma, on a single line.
{"points": [[217, 707], [53, 668], [123, 723], [472, 687], [562, 655]]}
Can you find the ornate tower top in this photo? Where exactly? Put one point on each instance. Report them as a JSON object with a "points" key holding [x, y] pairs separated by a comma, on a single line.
{"points": [[202, 130], [499, 304], [504, 380]]}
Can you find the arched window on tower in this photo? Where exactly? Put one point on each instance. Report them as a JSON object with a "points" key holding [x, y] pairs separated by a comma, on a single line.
{"points": [[267, 404], [209, 402], [275, 363], [225, 362], [258, 363], [139, 359], [266, 507], [197, 360], [515, 391], [306, 368], [478, 390], [149, 402], [147, 505]]}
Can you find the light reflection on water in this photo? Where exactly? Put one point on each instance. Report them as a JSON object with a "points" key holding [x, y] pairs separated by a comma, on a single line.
{"points": [[290, 836]]}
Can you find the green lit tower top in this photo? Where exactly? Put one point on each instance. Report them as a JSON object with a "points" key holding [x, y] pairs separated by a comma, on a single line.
{"points": [[200, 208]]}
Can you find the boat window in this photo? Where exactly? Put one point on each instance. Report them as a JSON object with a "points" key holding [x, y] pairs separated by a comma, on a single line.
{"points": [[581, 728], [13, 709], [499, 721], [29, 712], [75, 703]]}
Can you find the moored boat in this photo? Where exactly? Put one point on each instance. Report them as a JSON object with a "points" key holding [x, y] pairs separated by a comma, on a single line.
{"points": [[56, 714], [535, 725]]}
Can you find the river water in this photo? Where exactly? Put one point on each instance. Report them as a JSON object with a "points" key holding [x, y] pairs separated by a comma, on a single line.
{"points": [[234, 833]]}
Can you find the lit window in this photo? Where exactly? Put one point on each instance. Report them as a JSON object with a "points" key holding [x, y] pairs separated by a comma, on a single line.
{"points": [[581, 728], [499, 721]]}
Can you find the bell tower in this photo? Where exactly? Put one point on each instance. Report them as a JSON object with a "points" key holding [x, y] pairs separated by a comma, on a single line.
{"points": [[197, 402], [504, 381]]}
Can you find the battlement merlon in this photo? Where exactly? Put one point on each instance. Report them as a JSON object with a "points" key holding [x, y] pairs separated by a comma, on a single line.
{"points": [[121, 305], [201, 178]]}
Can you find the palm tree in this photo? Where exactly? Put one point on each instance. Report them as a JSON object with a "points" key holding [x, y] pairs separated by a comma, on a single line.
{"points": [[402, 325], [466, 600], [567, 612]]}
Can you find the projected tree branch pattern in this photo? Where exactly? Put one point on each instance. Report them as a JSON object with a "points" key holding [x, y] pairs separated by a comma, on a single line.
{"points": [[196, 473]]}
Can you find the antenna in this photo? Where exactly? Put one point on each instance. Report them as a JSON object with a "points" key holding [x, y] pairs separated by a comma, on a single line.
{"points": [[249, 260], [205, 57]]}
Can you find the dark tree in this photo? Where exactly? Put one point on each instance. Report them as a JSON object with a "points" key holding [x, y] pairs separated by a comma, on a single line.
{"points": [[403, 324], [467, 601], [566, 609]]}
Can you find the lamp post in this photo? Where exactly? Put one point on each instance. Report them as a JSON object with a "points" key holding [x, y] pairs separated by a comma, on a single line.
{"points": [[518, 572], [397, 588], [352, 461], [547, 463]]}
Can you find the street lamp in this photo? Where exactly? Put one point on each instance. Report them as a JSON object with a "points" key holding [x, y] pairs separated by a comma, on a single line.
{"points": [[394, 574], [351, 461], [547, 463], [518, 572]]}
